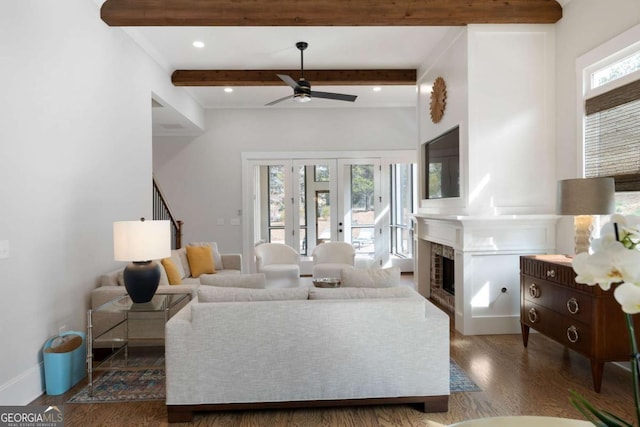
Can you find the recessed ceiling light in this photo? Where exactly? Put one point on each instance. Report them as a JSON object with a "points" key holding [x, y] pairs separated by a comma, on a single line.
{"points": [[377, 89], [198, 44], [228, 89]]}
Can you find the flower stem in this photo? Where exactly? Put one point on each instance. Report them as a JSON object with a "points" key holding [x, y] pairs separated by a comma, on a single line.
{"points": [[635, 363]]}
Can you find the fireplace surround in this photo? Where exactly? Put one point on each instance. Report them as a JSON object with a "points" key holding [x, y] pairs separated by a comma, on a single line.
{"points": [[485, 253]]}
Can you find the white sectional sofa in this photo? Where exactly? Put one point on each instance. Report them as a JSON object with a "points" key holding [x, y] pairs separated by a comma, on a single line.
{"points": [[234, 349], [111, 285]]}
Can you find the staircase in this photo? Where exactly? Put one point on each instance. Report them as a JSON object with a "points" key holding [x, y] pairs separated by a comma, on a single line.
{"points": [[161, 211]]}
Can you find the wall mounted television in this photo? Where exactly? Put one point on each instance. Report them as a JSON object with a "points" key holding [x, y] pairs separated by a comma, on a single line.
{"points": [[442, 165]]}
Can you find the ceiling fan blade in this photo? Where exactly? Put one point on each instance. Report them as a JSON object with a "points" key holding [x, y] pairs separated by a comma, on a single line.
{"points": [[337, 96], [278, 100], [288, 80]]}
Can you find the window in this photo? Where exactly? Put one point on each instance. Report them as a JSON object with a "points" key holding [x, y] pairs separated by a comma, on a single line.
{"points": [[615, 71], [611, 117], [321, 173], [276, 204], [401, 176], [611, 133], [302, 214], [363, 221], [323, 216], [302, 202]]}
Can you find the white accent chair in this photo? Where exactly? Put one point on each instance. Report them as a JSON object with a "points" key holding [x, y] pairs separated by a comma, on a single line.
{"points": [[280, 264], [331, 257]]}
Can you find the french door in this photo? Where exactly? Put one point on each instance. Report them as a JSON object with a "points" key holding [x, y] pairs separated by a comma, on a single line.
{"points": [[360, 206], [295, 203], [304, 201], [315, 203]]}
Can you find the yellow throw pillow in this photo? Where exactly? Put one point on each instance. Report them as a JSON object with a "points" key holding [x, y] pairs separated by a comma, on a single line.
{"points": [[172, 271], [200, 260]]}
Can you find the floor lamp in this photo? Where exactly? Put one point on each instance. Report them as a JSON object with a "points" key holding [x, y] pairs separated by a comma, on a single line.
{"points": [[582, 198]]}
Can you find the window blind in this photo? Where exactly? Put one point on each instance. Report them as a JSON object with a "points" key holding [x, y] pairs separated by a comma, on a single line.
{"points": [[612, 136]]}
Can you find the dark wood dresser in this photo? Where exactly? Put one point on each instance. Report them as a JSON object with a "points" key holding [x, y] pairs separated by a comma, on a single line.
{"points": [[584, 318]]}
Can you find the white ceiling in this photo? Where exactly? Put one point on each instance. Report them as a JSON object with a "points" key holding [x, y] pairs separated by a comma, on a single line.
{"points": [[245, 48]]}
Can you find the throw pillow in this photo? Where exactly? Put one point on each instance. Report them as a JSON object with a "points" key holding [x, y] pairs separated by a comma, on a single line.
{"points": [[217, 258], [370, 277], [110, 279], [362, 293], [173, 275], [200, 260], [177, 261], [254, 281], [184, 261], [215, 294], [164, 279]]}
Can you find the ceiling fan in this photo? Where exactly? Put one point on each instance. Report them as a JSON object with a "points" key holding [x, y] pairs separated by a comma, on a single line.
{"points": [[302, 88]]}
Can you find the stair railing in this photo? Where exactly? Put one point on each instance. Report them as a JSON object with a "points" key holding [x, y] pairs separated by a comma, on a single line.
{"points": [[161, 211]]}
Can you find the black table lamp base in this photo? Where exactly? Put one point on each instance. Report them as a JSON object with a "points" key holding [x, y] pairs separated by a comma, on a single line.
{"points": [[141, 280]]}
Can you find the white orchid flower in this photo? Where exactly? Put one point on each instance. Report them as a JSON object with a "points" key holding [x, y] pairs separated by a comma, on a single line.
{"points": [[615, 258], [611, 263], [628, 296], [605, 239], [628, 231]]}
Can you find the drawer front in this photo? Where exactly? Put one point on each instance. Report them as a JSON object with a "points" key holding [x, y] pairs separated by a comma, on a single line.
{"points": [[562, 300], [541, 269], [559, 273], [567, 331]]}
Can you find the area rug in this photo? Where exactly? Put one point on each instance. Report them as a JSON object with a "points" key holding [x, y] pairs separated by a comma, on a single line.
{"points": [[458, 380], [122, 385]]}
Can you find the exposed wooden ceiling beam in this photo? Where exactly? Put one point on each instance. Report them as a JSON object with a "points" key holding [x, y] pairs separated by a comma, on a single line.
{"points": [[328, 12], [269, 78]]}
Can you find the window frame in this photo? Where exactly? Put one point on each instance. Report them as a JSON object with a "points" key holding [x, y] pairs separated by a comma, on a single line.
{"points": [[394, 225], [609, 53]]}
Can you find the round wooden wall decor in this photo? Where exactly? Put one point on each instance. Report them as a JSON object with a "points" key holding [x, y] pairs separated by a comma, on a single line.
{"points": [[438, 100]]}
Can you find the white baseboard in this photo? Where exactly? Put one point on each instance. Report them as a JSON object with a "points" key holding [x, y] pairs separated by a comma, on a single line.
{"points": [[24, 388], [490, 325]]}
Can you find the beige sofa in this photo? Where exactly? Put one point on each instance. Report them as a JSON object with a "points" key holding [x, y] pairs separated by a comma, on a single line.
{"points": [[111, 285], [231, 349]]}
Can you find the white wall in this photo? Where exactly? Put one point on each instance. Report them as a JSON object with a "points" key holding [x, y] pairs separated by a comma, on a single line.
{"points": [[500, 85], [585, 25], [202, 179], [75, 155], [451, 64], [511, 119]]}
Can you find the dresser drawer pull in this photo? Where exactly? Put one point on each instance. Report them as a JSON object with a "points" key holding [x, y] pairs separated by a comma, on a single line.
{"points": [[533, 315], [551, 273], [534, 290], [572, 334], [572, 305]]}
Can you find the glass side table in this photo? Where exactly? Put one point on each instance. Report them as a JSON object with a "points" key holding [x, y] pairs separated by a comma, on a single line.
{"points": [[161, 307]]}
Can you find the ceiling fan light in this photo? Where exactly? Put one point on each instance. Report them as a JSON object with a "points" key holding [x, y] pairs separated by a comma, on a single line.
{"points": [[301, 97]]}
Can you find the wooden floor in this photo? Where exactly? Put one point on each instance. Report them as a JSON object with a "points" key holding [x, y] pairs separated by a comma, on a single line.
{"points": [[514, 381]]}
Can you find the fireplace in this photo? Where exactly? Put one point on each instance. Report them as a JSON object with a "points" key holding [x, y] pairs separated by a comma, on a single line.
{"points": [[486, 252], [447, 275], [442, 278]]}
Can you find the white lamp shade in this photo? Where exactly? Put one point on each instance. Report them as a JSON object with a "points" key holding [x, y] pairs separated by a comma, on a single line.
{"points": [[141, 240]]}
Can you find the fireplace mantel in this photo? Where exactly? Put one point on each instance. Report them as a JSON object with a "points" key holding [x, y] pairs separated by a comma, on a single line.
{"points": [[487, 250]]}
